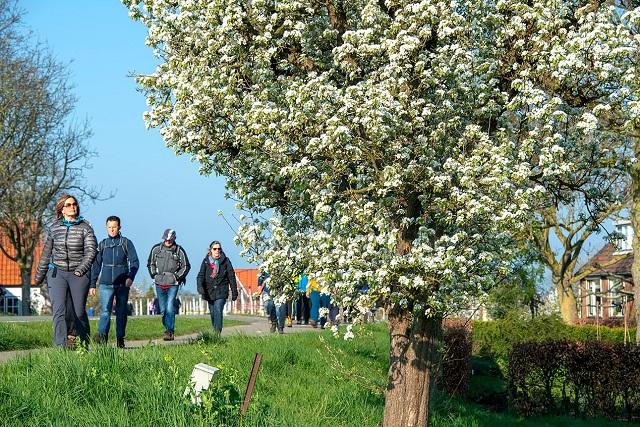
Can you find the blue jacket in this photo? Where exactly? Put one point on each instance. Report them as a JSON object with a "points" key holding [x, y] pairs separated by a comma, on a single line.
{"points": [[116, 264]]}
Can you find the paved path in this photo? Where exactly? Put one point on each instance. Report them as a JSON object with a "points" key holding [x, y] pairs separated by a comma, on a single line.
{"points": [[256, 326]]}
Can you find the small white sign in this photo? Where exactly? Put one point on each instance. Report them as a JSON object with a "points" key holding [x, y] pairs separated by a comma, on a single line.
{"points": [[200, 379]]}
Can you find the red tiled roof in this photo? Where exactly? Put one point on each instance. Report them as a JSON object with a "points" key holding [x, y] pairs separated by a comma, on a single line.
{"points": [[607, 262], [9, 271], [248, 277]]}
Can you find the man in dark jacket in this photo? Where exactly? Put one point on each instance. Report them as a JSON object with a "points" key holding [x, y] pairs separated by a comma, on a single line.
{"points": [[116, 264], [214, 280], [168, 266]]}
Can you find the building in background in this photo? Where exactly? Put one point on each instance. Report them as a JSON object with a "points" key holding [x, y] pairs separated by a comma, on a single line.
{"points": [[606, 293], [11, 286]]}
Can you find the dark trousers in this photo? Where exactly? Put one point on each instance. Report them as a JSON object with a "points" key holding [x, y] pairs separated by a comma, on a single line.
{"points": [[64, 286], [303, 309]]}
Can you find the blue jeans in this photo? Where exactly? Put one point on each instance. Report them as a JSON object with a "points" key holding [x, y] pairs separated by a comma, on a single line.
{"points": [[276, 313], [325, 302], [167, 305], [318, 301], [314, 298], [216, 308], [107, 292]]}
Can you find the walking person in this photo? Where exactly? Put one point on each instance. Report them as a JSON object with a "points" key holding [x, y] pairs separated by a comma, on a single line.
{"points": [[275, 312], [116, 265], [66, 259], [303, 305], [313, 292], [168, 266], [214, 280]]}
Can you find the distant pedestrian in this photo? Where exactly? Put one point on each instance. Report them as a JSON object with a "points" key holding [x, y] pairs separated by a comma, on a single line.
{"points": [[168, 266], [214, 280], [275, 312], [116, 265], [68, 252], [313, 292], [303, 305], [150, 307]]}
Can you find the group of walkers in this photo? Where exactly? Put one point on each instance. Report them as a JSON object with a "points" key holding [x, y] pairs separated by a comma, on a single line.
{"points": [[74, 264], [310, 307]]}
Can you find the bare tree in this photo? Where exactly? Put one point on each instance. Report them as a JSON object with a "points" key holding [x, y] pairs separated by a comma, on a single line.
{"points": [[42, 151]]}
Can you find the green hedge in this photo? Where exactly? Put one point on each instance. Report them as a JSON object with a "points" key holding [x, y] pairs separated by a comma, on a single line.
{"points": [[496, 338]]}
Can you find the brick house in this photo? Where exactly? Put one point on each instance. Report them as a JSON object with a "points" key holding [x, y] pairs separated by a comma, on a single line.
{"points": [[605, 293], [10, 284]]}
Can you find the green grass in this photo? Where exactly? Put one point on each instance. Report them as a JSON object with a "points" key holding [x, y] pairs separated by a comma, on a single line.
{"points": [[305, 380], [39, 333]]}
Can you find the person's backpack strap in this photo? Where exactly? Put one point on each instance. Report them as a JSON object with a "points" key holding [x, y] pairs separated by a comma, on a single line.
{"points": [[124, 242]]}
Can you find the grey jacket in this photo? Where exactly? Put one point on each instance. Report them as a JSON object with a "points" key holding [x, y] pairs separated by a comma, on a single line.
{"points": [[69, 247], [168, 265]]}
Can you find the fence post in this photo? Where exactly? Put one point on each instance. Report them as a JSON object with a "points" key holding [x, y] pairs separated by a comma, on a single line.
{"points": [[252, 382]]}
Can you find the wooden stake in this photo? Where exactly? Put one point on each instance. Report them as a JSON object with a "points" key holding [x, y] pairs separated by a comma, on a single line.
{"points": [[251, 384]]}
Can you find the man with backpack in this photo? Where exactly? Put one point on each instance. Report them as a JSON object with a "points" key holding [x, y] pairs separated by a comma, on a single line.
{"points": [[168, 266], [116, 264]]}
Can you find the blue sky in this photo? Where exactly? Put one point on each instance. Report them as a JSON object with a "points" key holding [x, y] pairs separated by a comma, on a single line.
{"points": [[155, 189]]}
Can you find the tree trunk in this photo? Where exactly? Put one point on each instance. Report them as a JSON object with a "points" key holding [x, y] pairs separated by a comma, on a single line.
{"points": [[635, 266], [413, 366], [44, 291], [25, 280], [567, 302], [635, 223]]}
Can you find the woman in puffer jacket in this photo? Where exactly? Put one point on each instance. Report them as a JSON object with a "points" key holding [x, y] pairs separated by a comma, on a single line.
{"points": [[214, 280], [66, 259]]}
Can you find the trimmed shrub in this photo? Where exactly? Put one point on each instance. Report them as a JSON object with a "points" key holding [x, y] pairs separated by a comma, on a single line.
{"points": [[612, 322], [582, 378], [497, 338], [456, 360]]}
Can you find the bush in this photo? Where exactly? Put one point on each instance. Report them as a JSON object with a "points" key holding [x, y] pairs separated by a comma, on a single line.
{"points": [[611, 322], [497, 338], [582, 378], [456, 360]]}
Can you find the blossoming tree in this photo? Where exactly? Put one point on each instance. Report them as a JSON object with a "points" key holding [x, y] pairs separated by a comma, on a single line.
{"points": [[395, 142]]}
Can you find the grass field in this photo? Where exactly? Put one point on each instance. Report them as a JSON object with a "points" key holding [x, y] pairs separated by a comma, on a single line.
{"points": [[305, 380], [37, 334]]}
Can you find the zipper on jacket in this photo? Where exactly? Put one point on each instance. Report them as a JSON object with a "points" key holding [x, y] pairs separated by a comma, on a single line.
{"points": [[66, 248]]}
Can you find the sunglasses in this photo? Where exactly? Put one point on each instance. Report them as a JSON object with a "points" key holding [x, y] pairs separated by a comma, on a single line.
{"points": [[67, 205], [216, 249]]}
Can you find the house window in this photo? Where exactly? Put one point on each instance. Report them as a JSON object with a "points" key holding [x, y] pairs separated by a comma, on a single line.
{"points": [[11, 304], [615, 298], [594, 299], [625, 241]]}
